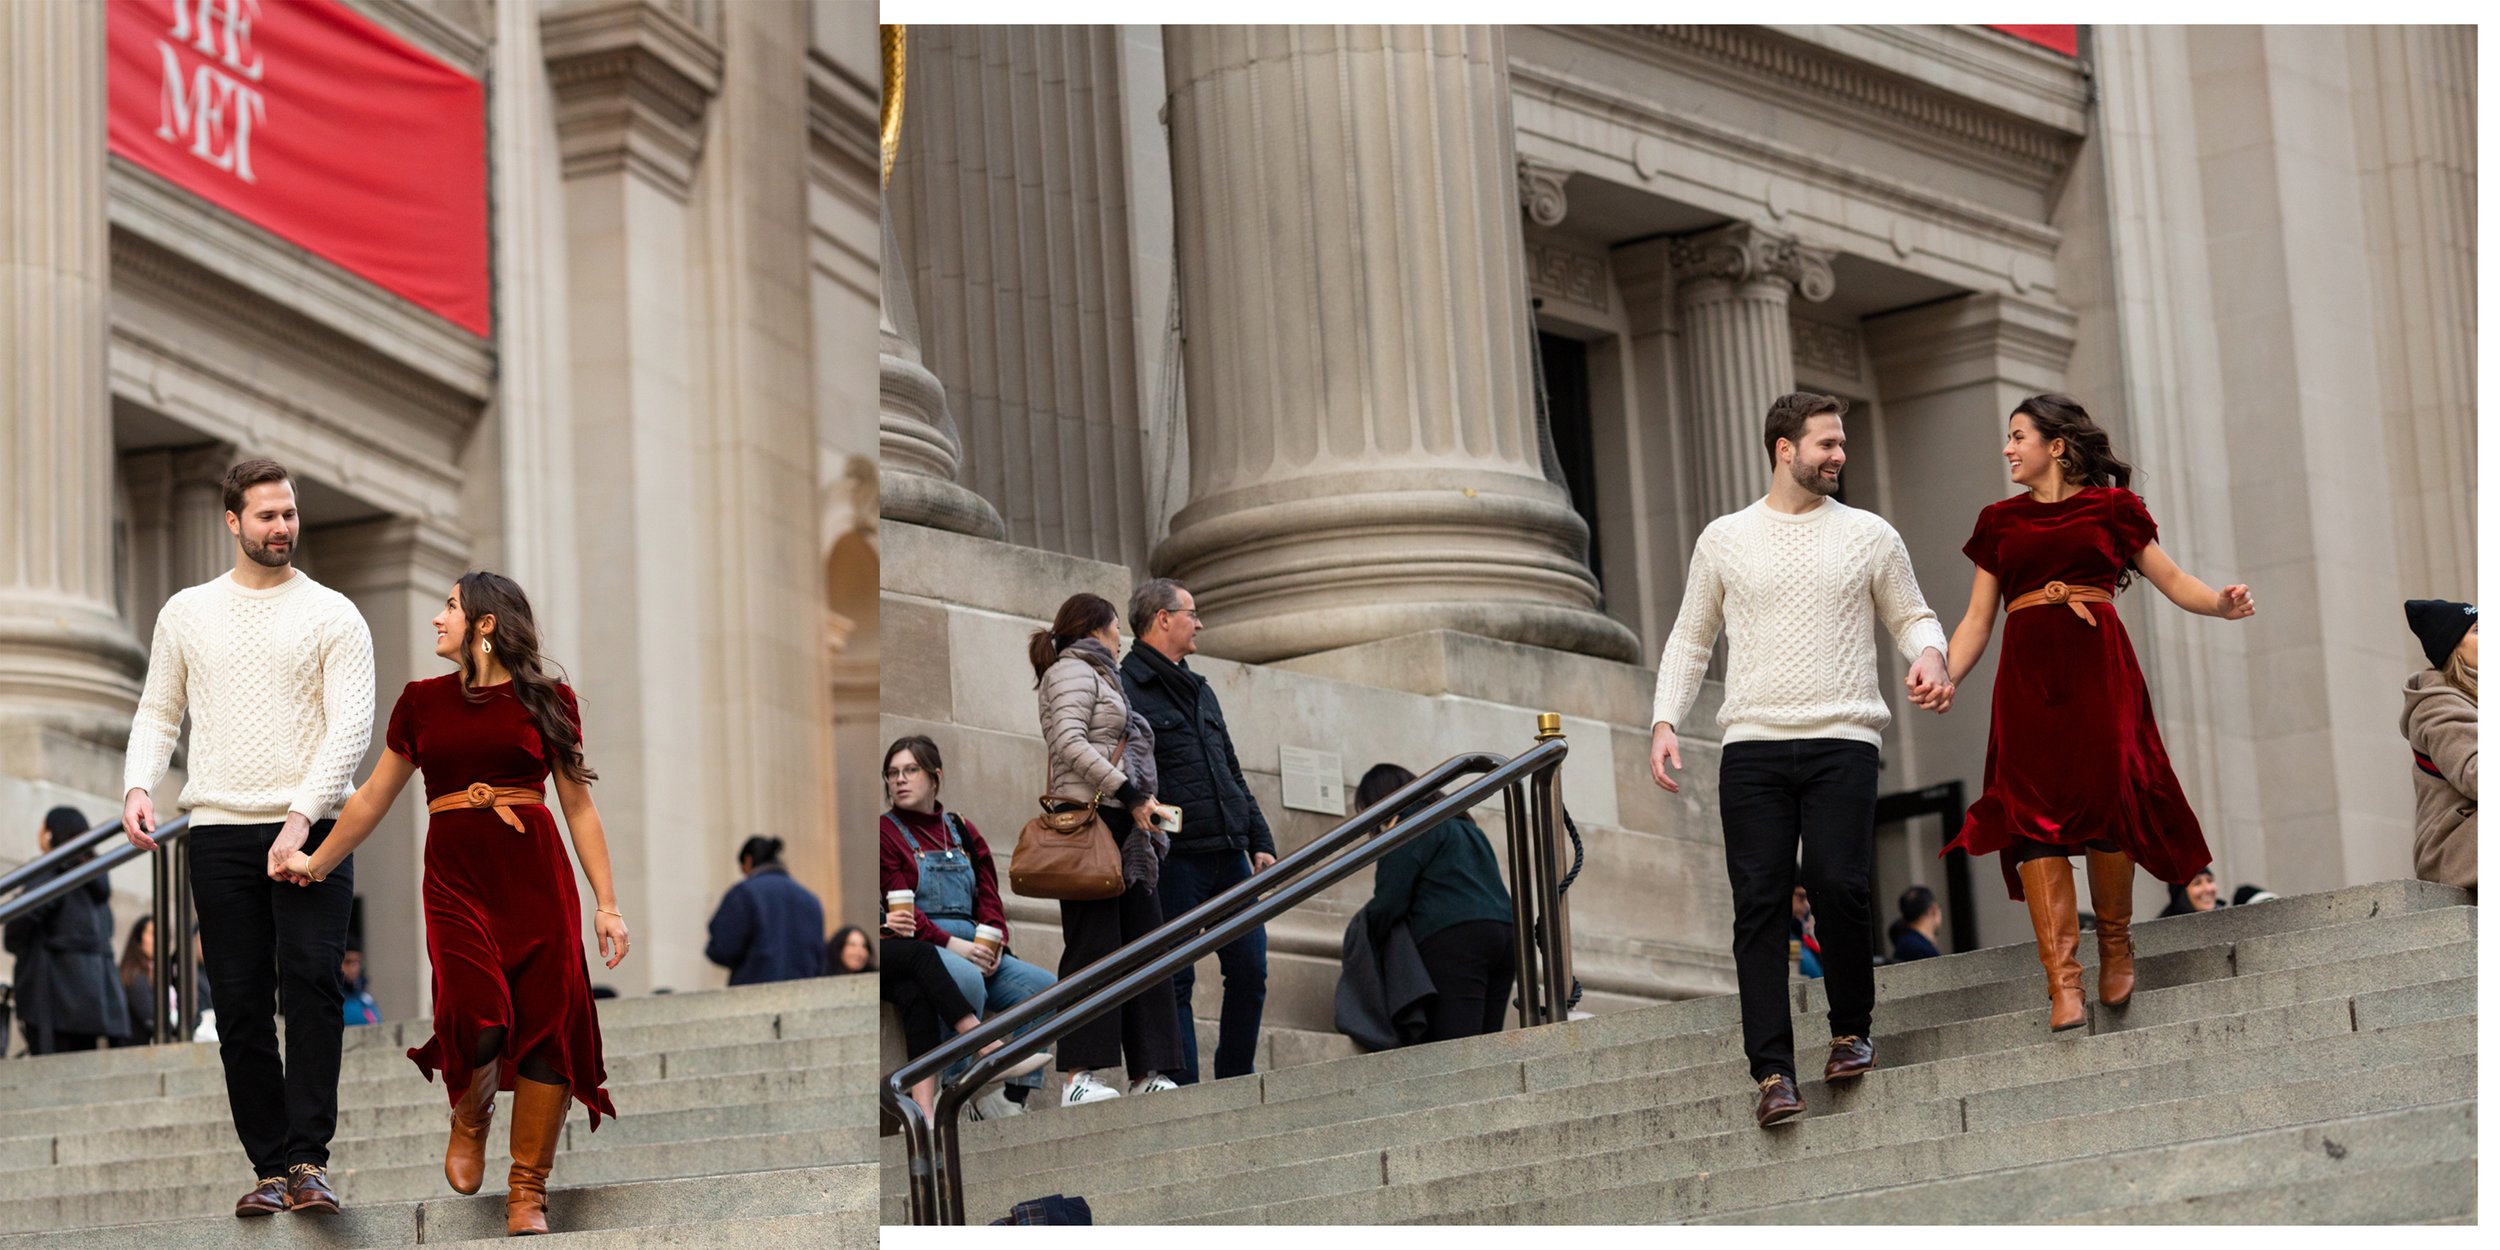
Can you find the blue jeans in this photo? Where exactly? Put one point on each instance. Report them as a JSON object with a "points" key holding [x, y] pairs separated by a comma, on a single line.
{"points": [[1188, 881], [1014, 982]]}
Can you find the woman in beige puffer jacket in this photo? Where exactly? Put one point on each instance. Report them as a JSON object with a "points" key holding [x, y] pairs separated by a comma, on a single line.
{"points": [[1085, 721], [2440, 718]]}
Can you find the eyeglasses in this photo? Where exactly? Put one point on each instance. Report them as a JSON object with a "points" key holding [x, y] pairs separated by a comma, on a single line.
{"points": [[905, 773]]}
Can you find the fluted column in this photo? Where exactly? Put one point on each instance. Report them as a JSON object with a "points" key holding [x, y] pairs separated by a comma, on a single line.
{"points": [[67, 662], [1364, 455], [202, 547], [1732, 290], [919, 454]]}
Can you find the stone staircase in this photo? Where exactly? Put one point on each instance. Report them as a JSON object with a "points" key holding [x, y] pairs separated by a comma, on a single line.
{"points": [[746, 1117], [2305, 1060]]}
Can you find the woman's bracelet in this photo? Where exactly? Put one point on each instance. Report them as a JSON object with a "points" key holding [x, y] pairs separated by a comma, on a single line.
{"points": [[611, 912]]}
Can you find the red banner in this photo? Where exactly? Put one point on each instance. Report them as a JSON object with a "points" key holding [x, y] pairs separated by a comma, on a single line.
{"points": [[308, 120], [2054, 38]]}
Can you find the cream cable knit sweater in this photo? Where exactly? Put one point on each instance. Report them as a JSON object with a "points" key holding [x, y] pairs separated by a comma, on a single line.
{"points": [[279, 685], [1799, 596]]}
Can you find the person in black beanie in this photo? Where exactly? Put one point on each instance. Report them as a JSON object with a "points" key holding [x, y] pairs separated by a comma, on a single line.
{"points": [[2441, 717]]}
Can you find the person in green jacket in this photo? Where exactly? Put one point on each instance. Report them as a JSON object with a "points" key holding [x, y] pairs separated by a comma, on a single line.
{"points": [[1448, 889]]}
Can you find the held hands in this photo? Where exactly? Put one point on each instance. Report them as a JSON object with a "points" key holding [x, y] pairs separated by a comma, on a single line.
{"points": [[139, 819], [984, 959], [298, 869], [290, 840], [1663, 755], [612, 940], [1928, 686], [2233, 603]]}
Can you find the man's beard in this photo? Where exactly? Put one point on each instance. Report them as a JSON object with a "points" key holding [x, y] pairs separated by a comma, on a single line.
{"points": [[260, 554], [1813, 480]]}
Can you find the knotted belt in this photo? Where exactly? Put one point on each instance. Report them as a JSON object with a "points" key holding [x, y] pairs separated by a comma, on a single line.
{"points": [[2059, 592], [502, 798]]}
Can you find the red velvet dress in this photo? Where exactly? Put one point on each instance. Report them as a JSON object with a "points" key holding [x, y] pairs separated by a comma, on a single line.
{"points": [[502, 916], [2073, 753]]}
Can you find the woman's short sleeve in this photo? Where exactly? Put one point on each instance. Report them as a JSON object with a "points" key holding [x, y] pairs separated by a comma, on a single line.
{"points": [[572, 708], [1982, 547], [2133, 524], [401, 734]]}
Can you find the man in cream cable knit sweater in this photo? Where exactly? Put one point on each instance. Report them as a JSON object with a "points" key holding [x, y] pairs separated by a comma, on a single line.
{"points": [[1798, 579], [276, 671]]}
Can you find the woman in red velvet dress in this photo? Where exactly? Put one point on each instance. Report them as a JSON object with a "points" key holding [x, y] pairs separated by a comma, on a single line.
{"points": [[512, 1006], [2075, 762]]}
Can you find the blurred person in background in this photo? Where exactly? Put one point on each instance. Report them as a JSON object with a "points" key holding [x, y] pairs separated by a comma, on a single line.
{"points": [[2441, 718], [767, 928], [66, 993], [1914, 934]]}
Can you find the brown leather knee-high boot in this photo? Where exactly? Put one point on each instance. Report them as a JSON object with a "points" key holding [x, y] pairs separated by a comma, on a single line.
{"points": [[2049, 887], [464, 1160], [2112, 875], [537, 1120]]}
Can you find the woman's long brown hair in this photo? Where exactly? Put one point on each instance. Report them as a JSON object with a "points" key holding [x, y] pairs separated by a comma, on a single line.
{"points": [[484, 594]]}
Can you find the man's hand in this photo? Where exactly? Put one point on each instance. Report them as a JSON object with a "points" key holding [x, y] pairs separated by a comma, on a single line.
{"points": [[982, 958], [1663, 755], [139, 819], [291, 837], [1262, 861], [1928, 687]]}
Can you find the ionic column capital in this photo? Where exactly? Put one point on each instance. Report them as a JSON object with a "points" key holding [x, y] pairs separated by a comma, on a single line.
{"points": [[1744, 252], [1541, 191]]}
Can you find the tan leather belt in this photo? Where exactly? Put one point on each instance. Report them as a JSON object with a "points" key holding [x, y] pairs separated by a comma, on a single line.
{"points": [[2059, 592], [502, 798]]}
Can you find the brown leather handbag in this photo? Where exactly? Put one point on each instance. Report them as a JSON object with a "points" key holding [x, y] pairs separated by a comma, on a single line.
{"points": [[1067, 852]]}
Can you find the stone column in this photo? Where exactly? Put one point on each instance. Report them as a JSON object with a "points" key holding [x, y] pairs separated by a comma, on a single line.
{"points": [[1732, 290], [202, 547], [69, 671], [1364, 455], [920, 455], [633, 80]]}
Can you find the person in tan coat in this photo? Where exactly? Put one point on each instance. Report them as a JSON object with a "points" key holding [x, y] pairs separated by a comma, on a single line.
{"points": [[2440, 719], [1097, 748]]}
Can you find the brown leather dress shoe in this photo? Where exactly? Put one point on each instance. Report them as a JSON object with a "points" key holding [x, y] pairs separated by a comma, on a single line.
{"points": [[267, 1198], [1852, 1057], [308, 1189], [1779, 1101]]}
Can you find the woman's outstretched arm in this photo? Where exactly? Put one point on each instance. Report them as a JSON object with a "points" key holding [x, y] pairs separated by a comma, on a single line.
{"points": [[2231, 603], [590, 846], [1979, 622], [365, 809]]}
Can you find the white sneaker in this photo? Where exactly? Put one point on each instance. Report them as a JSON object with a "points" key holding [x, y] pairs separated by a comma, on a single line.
{"points": [[995, 1105], [1083, 1088], [1152, 1083]]}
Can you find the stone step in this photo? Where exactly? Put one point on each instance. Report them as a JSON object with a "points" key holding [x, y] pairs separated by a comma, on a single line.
{"points": [[2398, 1195], [843, 1120], [417, 1181], [727, 1052], [2302, 1172], [389, 1093], [1719, 1051], [1705, 1177], [102, 1072], [830, 1202]]}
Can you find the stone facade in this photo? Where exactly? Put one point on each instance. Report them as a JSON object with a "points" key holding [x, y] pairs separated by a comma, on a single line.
{"points": [[2248, 250], [666, 440]]}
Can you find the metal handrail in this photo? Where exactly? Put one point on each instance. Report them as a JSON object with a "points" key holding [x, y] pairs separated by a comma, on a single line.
{"points": [[1541, 931], [176, 965]]}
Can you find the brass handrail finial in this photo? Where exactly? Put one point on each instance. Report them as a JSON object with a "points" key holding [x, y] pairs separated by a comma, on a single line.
{"points": [[1548, 725], [890, 109]]}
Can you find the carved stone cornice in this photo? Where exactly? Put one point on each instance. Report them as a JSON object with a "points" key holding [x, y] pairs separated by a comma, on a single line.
{"points": [[1541, 191], [1762, 57], [1744, 252], [454, 31], [632, 79]]}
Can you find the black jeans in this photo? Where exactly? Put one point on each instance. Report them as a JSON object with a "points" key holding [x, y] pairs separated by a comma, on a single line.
{"points": [[912, 977], [1145, 1030], [1471, 963], [1188, 881], [271, 947], [1773, 796]]}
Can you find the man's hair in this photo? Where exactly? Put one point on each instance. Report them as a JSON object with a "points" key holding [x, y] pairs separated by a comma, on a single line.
{"points": [[1159, 595], [1916, 902], [251, 473], [1789, 414]]}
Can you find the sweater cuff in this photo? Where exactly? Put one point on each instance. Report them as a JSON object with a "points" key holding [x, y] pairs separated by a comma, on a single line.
{"points": [[1128, 795]]}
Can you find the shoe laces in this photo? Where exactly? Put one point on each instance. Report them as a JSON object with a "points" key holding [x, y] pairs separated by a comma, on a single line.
{"points": [[314, 1168], [1767, 1082], [1846, 1039]]}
